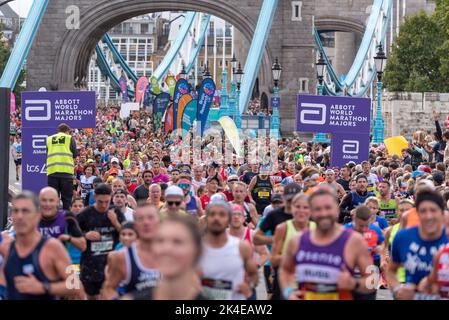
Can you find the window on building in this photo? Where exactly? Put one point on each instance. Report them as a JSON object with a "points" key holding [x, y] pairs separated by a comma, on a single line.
{"points": [[303, 85], [296, 10]]}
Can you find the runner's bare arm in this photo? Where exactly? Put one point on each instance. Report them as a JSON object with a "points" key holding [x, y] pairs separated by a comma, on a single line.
{"points": [[250, 188], [199, 207], [429, 284], [253, 213], [287, 268], [261, 239], [55, 254], [264, 254], [115, 273], [278, 239], [250, 265], [363, 261]]}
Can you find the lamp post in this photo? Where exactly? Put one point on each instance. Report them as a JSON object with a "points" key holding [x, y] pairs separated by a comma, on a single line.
{"points": [[232, 94], [320, 67], [183, 73], [238, 75], [224, 93], [276, 70], [378, 130]]}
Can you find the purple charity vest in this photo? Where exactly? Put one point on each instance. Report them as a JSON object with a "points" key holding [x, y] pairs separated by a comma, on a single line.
{"points": [[54, 228], [318, 267]]}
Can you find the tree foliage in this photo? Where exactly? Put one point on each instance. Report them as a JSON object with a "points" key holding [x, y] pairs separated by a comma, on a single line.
{"points": [[419, 60], [5, 52]]}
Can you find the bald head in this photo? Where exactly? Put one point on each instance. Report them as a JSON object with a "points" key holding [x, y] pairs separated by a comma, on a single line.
{"points": [[49, 202]]}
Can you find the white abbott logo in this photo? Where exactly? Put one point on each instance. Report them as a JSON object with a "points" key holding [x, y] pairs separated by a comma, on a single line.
{"points": [[309, 109], [41, 110], [39, 141], [351, 146]]}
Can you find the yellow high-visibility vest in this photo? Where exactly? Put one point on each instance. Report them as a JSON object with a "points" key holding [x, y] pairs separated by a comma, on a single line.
{"points": [[59, 155]]}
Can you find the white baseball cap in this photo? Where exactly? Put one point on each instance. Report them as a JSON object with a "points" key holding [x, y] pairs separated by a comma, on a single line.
{"points": [[114, 160], [174, 191]]}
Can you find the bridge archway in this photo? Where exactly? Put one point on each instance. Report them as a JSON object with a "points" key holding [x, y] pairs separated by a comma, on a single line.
{"points": [[77, 46]]}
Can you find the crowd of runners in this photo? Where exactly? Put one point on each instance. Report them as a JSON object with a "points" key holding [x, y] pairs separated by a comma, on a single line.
{"points": [[145, 225]]}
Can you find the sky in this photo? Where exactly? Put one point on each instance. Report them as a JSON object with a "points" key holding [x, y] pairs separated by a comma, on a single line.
{"points": [[21, 6]]}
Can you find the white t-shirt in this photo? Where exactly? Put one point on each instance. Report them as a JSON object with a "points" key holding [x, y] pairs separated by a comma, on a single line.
{"points": [[129, 214]]}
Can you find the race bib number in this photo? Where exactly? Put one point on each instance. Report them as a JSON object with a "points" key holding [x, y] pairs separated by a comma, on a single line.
{"points": [[263, 194], [320, 295], [101, 246], [217, 289]]}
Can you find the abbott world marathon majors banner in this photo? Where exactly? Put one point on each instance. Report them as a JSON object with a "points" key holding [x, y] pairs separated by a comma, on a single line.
{"points": [[42, 113], [346, 119]]}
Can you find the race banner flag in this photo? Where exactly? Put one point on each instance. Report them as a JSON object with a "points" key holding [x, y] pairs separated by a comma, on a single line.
{"points": [[141, 86], [154, 84], [147, 96], [231, 133], [189, 116], [124, 88], [181, 88], [395, 145], [182, 103], [205, 98], [169, 120], [160, 104], [12, 108], [171, 83]]}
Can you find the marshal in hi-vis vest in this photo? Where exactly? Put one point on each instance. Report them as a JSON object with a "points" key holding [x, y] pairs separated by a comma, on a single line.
{"points": [[59, 155]]}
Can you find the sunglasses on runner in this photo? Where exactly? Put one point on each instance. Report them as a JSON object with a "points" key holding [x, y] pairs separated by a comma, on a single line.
{"points": [[176, 203], [232, 180], [184, 185]]}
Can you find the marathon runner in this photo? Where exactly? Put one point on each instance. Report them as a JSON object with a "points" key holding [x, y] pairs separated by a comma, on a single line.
{"points": [[354, 198], [134, 268], [322, 261], [260, 189], [237, 229], [58, 223], [174, 203], [288, 229], [361, 223], [35, 267], [414, 248], [224, 279], [388, 204], [345, 178], [101, 225], [330, 181], [155, 197], [177, 248], [192, 203], [272, 220], [240, 194]]}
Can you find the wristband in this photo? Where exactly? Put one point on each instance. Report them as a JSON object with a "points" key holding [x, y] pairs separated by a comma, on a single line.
{"points": [[396, 289], [47, 287], [287, 292]]}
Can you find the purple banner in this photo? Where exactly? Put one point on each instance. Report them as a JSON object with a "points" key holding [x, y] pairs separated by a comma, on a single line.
{"points": [[349, 147], [346, 118], [42, 112], [205, 98], [34, 157], [275, 102], [332, 114], [48, 109], [124, 88]]}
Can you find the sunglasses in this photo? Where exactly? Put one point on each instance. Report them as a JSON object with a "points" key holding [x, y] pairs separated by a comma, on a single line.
{"points": [[176, 203], [233, 180], [184, 185]]}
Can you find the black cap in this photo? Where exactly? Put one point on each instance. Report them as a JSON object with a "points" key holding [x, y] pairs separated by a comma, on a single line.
{"points": [[276, 197], [120, 191], [103, 189], [213, 178], [291, 190]]}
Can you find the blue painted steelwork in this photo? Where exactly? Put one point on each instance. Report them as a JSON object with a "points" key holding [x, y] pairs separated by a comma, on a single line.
{"points": [[256, 50], [23, 44], [202, 36], [376, 17], [119, 58], [176, 46], [106, 71]]}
